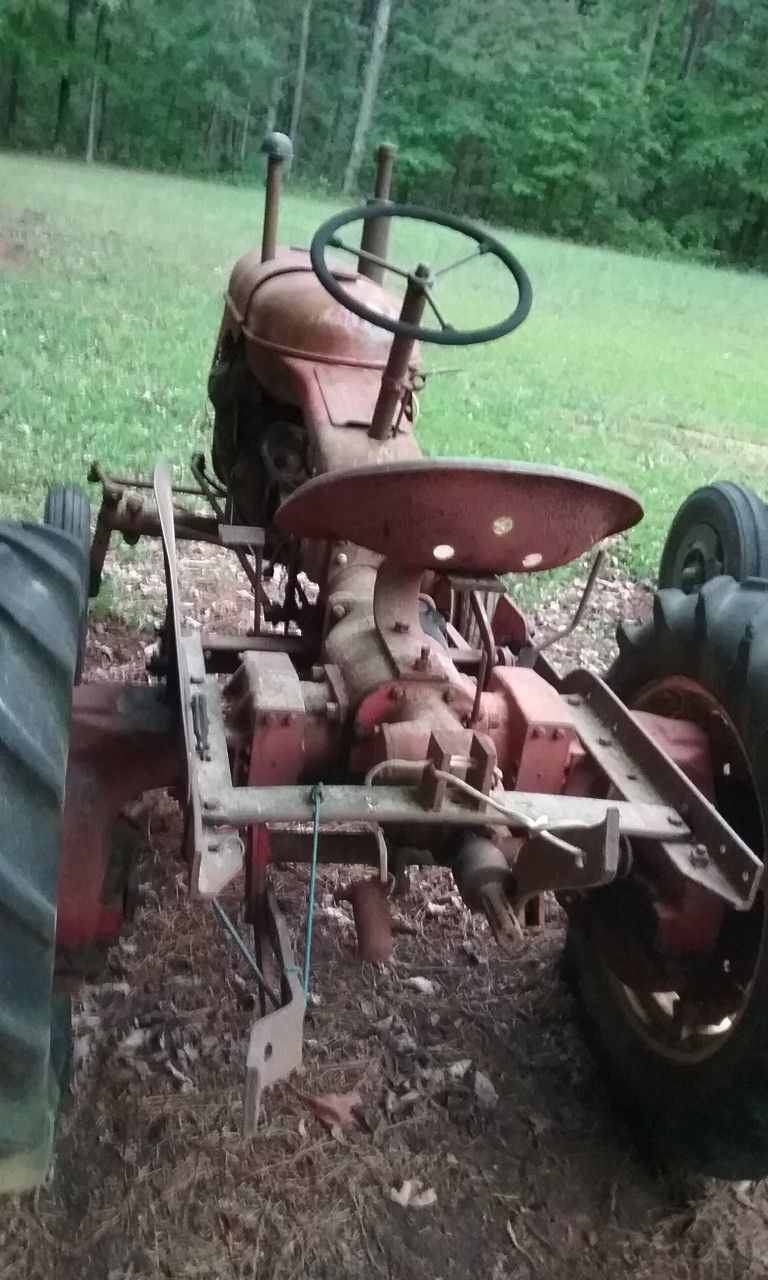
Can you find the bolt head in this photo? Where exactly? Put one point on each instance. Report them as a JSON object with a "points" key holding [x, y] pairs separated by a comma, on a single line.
{"points": [[338, 611]]}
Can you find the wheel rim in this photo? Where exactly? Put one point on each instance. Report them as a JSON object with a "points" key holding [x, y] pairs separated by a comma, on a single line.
{"points": [[696, 1004], [700, 558]]}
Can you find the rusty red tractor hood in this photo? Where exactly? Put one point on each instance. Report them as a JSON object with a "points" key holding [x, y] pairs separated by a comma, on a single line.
{"points": [[301, 343]]}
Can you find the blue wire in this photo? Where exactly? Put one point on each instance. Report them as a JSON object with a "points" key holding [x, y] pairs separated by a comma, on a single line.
{"points": [[316, 796]]}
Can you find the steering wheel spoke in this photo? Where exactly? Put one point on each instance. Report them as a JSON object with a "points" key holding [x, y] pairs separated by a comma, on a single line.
{"points": [[326, 237], [336, 243], [468, 257], [441, 320]]}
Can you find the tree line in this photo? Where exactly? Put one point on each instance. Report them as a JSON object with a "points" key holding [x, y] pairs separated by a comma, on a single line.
{"points": [[636, 123]]}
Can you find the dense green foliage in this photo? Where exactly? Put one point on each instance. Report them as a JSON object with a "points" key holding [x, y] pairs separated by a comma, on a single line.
{"points": [[639, 123]]}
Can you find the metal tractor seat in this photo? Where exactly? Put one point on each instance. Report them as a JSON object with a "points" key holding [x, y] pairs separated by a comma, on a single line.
{"points": [[460, 515]]}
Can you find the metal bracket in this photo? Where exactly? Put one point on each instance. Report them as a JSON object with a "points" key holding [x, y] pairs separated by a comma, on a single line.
{"points": [[544, 864], [276, 1042], [638, 770]]}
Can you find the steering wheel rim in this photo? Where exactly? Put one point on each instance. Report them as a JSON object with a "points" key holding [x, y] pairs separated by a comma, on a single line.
{"points": [[449, 336]]}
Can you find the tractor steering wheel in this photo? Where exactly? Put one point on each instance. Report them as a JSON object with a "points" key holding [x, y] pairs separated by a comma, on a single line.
{"points": [[326, 237]]}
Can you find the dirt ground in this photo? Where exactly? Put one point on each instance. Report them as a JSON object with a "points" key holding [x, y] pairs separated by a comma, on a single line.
{"points": [[475, 1088]]}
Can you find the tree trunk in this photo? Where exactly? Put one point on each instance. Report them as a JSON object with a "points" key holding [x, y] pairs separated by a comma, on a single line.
{"points": [[12, 101], [701, 15], [93, 113], [210, 135], [244, 134], [103, 100], [301, 72], [648, 47], [65, 84], [368, 96], [273, 102]]}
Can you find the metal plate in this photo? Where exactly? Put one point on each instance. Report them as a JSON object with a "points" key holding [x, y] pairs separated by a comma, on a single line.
{"points": [[641, 772], [458, 515]]}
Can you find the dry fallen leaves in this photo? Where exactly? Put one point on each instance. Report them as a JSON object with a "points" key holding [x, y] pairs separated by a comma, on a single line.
{"points": [[409, 1195], [485, 1094], [424, 986], [335, 1109]]}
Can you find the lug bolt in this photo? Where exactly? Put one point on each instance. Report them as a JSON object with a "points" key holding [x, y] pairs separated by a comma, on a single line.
{"points": [[699, 856]]}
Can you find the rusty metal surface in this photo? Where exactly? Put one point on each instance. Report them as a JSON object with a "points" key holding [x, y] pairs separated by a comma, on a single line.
{"points": [[266, 704], [480, 517], [374, 239], [542, 865], [124, 740], [535, 728], [398, 805], [279, 153], [373, 924], [216, 852], [713, 856], [396, 381], [281, 305]]}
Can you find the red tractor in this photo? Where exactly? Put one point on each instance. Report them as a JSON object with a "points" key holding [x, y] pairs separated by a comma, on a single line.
{"points": [[392, 708]]}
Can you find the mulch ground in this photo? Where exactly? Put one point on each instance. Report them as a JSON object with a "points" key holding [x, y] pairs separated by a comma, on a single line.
{"points": [[479, 1105]]}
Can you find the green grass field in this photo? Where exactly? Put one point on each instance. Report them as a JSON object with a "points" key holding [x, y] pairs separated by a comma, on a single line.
{"points": [[653, 373]]}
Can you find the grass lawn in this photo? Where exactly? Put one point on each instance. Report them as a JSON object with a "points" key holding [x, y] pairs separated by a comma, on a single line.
{"points": [[653, 373]]}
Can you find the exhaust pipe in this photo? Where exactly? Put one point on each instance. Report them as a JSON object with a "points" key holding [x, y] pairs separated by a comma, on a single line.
{"points": [[279, 151], [375, 237]]}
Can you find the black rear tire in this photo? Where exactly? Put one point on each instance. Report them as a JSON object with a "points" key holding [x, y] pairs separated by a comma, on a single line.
{"points": [[720, 529], [42, 575], [68, 508], [703, 1102]]}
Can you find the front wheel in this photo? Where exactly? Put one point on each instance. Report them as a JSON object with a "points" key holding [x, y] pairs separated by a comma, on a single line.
{"points": [[721, 528], [674, 990]]}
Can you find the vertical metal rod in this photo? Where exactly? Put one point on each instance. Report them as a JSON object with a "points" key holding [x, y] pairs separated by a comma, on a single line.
{"points": [[375, 234], [393, 379], [385, 161], [271, 207], [279, 150]]}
